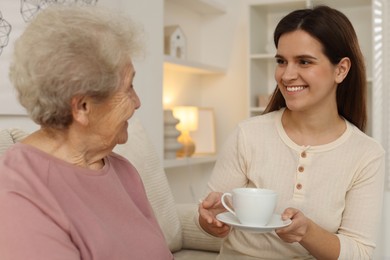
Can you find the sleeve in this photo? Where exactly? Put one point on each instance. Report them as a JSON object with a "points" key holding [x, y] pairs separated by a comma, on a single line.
{"points": [[26, 232], [362, 214], [230, 170]]}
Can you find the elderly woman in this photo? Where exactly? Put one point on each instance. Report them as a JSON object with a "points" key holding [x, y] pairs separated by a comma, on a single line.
{"points": [[63, 193]]}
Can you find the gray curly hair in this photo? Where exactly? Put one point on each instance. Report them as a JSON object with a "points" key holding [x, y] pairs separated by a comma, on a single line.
{"points": [[68, 51]]}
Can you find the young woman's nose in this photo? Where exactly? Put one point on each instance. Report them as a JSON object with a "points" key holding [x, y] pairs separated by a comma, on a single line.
{"points": [[290, 72]]}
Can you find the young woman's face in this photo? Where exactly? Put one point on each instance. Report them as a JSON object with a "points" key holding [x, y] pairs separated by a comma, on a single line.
{"points": [[305, 76]]}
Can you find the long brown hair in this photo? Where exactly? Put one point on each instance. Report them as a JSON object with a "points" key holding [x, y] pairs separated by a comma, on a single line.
{"points": [[338, 38]]}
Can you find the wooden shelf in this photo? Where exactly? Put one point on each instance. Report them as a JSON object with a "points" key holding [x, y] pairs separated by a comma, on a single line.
{"points": [[342, 3], [202, 6], [171, 63], [187, 161], [263, 56]]}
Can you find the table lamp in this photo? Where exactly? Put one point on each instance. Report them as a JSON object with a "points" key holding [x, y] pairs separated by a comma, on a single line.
{"points": [[188, 116]]}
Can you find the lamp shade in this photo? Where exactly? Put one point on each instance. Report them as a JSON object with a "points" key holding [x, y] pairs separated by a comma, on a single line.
{"points": [[188, 116]]}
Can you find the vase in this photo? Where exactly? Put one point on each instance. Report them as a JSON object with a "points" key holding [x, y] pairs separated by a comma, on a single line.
{"points": [[171, 145]]}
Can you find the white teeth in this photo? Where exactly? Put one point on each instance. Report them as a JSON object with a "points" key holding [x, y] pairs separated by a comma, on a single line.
{"points": [[293, 89]]}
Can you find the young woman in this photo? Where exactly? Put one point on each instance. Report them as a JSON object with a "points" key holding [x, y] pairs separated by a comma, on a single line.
{"points": [[310, 147]]}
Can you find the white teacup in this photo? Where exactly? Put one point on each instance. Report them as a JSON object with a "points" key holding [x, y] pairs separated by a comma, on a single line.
{"points": [[252, 206]]}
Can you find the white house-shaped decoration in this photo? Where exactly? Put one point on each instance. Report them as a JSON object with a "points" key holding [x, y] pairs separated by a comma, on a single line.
{"points": [[175, 43]]}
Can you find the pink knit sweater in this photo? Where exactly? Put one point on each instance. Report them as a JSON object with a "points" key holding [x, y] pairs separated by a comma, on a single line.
{"points": [[50, 209]]}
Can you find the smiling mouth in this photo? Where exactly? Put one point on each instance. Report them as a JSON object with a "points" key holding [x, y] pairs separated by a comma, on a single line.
{"points": [[295, 88]]}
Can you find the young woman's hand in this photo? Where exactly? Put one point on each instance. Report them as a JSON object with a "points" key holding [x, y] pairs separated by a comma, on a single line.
{"points": [[209, 208], [296, 231], [320, 243]]}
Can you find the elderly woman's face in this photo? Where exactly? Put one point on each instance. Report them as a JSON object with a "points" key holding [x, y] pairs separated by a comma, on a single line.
{"points": [[111, 116]]}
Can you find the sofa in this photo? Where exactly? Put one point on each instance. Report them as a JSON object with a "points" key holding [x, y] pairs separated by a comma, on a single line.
{"points": [[183, 236]]}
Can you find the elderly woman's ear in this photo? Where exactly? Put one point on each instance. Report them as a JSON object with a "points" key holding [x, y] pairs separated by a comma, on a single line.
{"points": [[80, 109]]}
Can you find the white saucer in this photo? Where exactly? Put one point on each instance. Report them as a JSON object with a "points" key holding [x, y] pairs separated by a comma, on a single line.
{"points": [[275, 222]]}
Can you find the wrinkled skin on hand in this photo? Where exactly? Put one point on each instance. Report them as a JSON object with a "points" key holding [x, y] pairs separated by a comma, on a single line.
{"points": [[208, 209]]}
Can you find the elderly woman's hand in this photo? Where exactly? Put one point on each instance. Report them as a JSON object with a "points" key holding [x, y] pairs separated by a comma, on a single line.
{"points": [[209, 208]]}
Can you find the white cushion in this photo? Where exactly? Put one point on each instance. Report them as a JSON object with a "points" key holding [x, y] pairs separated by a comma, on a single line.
{"points": [[10, 136]]}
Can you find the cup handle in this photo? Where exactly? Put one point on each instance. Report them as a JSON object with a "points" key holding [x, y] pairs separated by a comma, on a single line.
{"points": [[225, 204]]}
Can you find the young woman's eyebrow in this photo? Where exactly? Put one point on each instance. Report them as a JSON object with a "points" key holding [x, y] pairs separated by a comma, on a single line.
{"points": [[278, 56]]}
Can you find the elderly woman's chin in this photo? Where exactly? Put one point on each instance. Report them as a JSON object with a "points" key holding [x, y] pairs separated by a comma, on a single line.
{"points": [[123, 135]]}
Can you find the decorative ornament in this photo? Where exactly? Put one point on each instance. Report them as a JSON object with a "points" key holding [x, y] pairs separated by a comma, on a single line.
{"points": [[29, 8], [5, 30], [175, 43], [171, 145]]}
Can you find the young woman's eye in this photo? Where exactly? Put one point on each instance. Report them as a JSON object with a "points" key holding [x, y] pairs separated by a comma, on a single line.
{"points": [[304, 62], [280, 61]]}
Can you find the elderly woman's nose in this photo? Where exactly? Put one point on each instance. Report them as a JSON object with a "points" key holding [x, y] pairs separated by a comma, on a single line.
{"points": [[137, 101]]}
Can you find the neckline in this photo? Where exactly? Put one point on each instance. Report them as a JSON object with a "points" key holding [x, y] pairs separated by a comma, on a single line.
{"points": [[323, 147], [52, 159]]}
